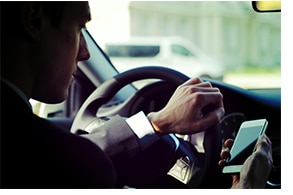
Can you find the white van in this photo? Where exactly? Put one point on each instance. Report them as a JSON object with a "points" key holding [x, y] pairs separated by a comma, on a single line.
{"points": [[173, 52]]}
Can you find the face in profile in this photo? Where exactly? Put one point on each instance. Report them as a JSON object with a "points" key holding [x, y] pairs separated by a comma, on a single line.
{"points": [[61, 47]]}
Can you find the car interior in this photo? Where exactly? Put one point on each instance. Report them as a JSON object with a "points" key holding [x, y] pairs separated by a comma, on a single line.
{"points": [[100, 92]]}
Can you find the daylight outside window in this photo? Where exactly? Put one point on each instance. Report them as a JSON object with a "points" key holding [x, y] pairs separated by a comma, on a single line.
{"points": [[221, 40], [228, 37]]}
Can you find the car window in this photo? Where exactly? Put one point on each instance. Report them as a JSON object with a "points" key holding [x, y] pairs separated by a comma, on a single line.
{"points": [[115, 50], [237, 45], [180, 50]]}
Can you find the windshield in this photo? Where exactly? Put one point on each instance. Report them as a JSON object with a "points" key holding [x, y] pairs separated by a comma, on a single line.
{"points": [[223, 40]]}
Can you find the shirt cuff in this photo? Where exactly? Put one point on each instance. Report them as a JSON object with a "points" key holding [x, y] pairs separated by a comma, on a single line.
{"points": [[142, 127]]}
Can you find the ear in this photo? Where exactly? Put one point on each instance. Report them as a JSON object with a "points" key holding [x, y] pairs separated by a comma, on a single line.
{"points": [[33, 19]]}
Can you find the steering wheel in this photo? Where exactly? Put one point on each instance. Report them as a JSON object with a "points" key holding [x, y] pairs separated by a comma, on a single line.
{"points": [[86, 118]]}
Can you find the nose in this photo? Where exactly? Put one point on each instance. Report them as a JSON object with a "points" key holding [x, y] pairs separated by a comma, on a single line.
{"points": [[83, 52]]}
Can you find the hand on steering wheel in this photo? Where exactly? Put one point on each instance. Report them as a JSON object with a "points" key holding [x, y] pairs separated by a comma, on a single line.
{"points": [[198, 110], [185, 112]]}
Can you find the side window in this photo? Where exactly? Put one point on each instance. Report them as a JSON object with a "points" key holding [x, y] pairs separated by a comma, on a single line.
{"points": [[180, 50], [132, 50]]}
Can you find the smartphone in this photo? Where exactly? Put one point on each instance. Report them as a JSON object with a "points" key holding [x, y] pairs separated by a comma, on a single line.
{"points": [[244, 144]]}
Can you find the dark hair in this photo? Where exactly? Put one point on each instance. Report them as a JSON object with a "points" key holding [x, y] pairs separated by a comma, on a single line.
{"points": [[55, 10], [11, 14], [10, 17]]}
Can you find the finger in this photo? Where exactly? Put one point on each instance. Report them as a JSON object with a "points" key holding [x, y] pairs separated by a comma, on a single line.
{"points": [[192, 81], [222, 163], [203, 84], [202, 99], [228, 143], [212, 117], [263, 140], [204, 87], [225, 153], [264, 147], [235, 179], [209, 107]]}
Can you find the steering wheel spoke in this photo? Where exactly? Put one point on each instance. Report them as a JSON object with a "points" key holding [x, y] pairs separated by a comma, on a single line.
{"points": [[86, 118]]}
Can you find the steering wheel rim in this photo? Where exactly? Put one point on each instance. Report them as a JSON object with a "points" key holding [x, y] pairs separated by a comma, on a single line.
{"points": [[105, 92]]}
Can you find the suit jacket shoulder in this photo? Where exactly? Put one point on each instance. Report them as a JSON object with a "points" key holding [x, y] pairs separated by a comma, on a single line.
{"points": [[37, 154]]}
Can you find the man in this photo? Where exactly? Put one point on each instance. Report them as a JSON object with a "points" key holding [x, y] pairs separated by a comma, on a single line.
{"points": [[41, 44]]}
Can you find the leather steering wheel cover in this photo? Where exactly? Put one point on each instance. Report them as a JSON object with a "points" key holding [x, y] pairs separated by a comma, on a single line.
{"points": [[106, 91], [149, 72]]}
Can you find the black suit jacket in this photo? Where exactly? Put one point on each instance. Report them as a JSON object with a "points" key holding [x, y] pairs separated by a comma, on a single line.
{"points": [[37, 154]]}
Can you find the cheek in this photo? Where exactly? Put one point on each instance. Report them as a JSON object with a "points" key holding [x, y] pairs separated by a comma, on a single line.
{"points": [[69, 47], [56, 68], [67, 51], [61, 48]]}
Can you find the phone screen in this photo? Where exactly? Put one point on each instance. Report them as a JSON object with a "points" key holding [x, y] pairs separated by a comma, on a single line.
{"points": [[244, 144]]}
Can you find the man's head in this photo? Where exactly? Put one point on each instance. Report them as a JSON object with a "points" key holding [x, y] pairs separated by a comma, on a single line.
{"points": [[41, 45]]}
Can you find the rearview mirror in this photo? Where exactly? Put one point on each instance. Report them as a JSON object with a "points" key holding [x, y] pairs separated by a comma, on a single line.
{"points": [[266, 6]]}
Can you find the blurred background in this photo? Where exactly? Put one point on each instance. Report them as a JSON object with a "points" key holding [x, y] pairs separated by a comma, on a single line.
{"points": [[246, 44]]}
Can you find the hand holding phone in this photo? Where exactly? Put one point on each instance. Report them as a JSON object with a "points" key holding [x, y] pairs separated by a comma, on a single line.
{"points": [[244, 144]]}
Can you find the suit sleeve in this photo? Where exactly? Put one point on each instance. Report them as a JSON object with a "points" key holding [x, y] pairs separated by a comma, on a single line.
{"points": [[127, 137], [115, 137]]}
